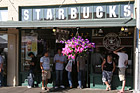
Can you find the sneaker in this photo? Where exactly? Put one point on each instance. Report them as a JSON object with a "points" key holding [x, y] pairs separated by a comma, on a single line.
{"points": [[62, 86], [70, 87], [43, 88], [56, 87], [29, 87], [79, 87]]}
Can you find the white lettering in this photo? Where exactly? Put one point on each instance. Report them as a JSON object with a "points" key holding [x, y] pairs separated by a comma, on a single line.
{"points": [[37, 13], [127, 11], [26, 15], [99, 12], [112, 11], [73, 13], [85, 14], [61, 14], [49, 14]]}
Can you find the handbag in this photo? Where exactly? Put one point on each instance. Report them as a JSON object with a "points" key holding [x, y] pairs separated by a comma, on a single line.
{"points": [[69, 66]]}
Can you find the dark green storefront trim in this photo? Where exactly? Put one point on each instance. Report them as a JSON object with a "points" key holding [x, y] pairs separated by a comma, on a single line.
{"points": [[72, 23]]}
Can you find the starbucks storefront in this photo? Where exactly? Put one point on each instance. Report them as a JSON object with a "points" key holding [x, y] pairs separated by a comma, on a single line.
{"points": [[42, 27]]}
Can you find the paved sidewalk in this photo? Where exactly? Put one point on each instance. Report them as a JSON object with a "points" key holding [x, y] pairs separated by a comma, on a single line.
{"points": [[38, 90]]}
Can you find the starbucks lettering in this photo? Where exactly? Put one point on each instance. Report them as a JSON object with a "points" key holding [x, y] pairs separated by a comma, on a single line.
{"points": [[77, 13]]}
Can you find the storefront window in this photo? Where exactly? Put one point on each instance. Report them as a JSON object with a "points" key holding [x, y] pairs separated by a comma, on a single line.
{"points": [[3, 14], [37, 14], [99, 12], [4, 54], [36, 41], [109, 40], [86, 12], [29, 44]]}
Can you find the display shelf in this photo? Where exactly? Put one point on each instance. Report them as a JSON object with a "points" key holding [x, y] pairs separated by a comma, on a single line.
{"points": [[99, 37]]}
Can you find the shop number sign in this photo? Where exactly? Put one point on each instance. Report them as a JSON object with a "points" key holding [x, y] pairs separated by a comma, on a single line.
{"points": [[78, 12]]}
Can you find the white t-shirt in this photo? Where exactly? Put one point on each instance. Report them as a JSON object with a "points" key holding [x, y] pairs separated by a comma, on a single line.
{"points": [[45, 62], [122, 58]]}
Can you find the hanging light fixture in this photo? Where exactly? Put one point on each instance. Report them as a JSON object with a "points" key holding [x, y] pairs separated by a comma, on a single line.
{"points": [[126, 30], [122, 29], [100, 31], [54, 29], [77, 33]]}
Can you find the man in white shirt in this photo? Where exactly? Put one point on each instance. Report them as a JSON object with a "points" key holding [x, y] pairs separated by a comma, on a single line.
{"points": [[45, 67], [1, 69], [122, 63]]}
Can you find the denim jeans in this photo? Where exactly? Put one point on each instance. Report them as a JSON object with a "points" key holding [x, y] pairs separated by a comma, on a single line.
{"points": [[70, 79], [1, 78], [59, 77], [81, 78]]}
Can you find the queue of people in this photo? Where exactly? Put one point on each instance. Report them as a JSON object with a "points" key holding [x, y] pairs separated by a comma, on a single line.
{"points": [[108, 67]]}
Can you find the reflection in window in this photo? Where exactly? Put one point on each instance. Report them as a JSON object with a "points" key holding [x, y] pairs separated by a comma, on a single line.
{"points": [[3, 15], [28, 44], [112, 11], [86, 12], [26, 14], [127, 11], [73, 13], [99, 11], [37, 14], [61, 14], [49, 14]]}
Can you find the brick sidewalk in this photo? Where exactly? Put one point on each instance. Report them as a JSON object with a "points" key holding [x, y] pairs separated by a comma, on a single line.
{"points": [[38, 90]]}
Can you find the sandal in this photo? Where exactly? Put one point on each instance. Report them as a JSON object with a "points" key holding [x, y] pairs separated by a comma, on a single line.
{"points": [[47, 88], [107, 89]]}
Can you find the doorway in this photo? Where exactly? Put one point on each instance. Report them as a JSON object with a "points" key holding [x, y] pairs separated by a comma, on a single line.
{"points": [[108, 40]]}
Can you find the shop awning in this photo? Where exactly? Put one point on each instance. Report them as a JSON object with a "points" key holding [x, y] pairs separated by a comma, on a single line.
{"points": [[71, 23]]}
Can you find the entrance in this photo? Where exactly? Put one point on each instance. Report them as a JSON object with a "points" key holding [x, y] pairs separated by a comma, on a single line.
{"points": [[42, 39], [4, 52], [107, 40]]}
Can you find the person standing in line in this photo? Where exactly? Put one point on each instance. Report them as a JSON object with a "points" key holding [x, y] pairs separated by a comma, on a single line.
{"points": [[35, 69], [81, 65], [122, 63], [72, 62], [31, 71], [1, 70], [59, 61], [108, 67], [45, 67]]}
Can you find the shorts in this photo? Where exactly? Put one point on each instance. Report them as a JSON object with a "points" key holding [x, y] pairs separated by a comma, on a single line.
{"points": [[122, 73], [107, 76], [46, 75]]}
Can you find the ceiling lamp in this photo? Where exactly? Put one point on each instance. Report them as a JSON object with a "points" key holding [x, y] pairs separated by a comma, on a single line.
{"points": [[126, 29], [122, 29], [100, 31], [54, 29]]}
